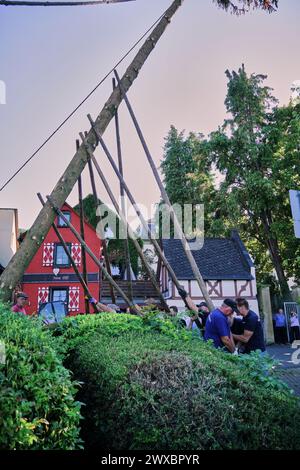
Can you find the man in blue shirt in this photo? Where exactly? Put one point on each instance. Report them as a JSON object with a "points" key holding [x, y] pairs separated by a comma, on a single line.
{"points": [[280, 327], [217, 326], [252, 337]]}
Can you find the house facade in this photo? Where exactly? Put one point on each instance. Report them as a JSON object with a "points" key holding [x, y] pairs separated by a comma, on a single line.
{"points": [[50, 277], [225, 265]]}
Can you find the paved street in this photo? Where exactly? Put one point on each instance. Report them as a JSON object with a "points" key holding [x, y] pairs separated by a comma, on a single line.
{"points": [[288, 369]]}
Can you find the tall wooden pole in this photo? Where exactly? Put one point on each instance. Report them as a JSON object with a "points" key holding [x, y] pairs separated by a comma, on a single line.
{"points": [[136, 207], [81, 215], [129, 230], [72, 262], [37, 233], [103, 241], [94, 257], [166, 199], [122, 194]]}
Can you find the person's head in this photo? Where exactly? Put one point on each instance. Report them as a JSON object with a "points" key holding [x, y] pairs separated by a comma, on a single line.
{"points": [[243, 306], [173, 310], [21, 299], [293, 313], [228, 307], [280, 311], [203, 307]]}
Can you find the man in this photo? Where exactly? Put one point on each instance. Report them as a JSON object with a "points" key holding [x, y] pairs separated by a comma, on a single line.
{"points": [[252, 337], [195, 321], [19, 307], [280, 327], [203, 312], [217, 326]]}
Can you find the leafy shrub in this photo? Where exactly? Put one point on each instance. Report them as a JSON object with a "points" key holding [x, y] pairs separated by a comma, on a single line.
{"points": [[37, 407], [148, 385]]}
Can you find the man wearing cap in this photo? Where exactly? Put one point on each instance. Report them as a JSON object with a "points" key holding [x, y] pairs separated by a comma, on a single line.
{"points": [[217, 326], [19, 307]]}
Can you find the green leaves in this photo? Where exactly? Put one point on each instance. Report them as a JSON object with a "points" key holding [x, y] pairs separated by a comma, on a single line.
{"points": [[38, 410], [148, 384]]}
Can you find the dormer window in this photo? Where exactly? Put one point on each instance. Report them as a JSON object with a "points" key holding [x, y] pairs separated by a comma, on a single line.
{"points": [[60, 222]]}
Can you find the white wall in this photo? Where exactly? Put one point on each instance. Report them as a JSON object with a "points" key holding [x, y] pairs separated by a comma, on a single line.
{"points": [[8, 235]]}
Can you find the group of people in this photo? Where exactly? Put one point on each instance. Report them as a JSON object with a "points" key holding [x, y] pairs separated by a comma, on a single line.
{"points": [[281, 327], [232, 326]]}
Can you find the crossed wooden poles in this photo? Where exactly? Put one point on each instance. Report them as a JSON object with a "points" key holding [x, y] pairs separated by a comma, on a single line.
{"points": [[84, 155], [120, 211]]}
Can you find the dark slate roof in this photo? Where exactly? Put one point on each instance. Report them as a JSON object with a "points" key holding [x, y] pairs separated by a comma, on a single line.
{"points": [[219, 258]]}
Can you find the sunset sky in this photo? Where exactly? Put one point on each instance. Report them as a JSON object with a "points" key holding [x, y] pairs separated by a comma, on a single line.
{"points": [[50, 58]]}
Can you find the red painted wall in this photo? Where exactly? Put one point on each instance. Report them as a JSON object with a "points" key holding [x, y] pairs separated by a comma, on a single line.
{"points": [[36, 265]]}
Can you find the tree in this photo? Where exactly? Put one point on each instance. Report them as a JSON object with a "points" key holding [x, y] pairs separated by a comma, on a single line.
{"points": [[187, 176], [257, 152], [240, 6]]}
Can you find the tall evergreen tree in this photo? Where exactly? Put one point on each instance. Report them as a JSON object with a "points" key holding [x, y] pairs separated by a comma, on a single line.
{"points": [[257, 152]]}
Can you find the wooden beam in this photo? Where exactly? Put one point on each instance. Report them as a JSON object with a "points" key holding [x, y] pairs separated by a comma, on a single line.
{"points": [[166, 199], [73, 264], [94, 257], [135, 206], [37, 233], [129, 231]]}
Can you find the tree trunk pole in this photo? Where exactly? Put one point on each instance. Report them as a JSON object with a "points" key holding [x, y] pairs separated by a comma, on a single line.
{"points": [[81, 214], [37, 233], [76, 270], [166, 199], [103, 241], [129, 230], [135, 206], [122, 194]]}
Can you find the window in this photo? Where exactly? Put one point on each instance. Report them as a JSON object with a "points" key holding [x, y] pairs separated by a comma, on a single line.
{"points": [[61, 222], [59, 294], [60, 257]]}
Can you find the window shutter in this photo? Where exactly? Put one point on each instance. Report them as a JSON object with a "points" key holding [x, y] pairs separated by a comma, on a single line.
{"points": [[76, 253], [74, 299], [48, 254], [43, 295]]}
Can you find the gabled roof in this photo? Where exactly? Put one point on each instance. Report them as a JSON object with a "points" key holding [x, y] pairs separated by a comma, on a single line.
{"points": [[219, 258]]}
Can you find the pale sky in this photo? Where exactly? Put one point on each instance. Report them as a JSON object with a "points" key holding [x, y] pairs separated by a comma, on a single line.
{"points": [[50, 58]]}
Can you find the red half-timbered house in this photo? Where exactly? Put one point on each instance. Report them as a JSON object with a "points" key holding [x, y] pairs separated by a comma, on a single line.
{"points": [[50, 277]]}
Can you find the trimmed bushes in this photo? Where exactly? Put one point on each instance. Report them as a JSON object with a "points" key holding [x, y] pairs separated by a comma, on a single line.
{"points": [[37, 406], [150, 386]]}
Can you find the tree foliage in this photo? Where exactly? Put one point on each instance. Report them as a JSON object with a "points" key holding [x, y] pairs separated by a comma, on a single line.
{"points": [[257, 152], [239, 7]]}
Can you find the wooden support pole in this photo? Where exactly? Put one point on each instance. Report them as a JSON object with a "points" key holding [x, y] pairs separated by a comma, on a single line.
{"points": [[81, 215], [73, 264], [129, 231], [122, 194], [136, 207], [36, 234], [103, 241], [166, 199], [94, 257]]}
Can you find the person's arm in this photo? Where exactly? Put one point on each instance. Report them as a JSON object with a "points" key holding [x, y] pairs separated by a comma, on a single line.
{"points": [[244, 338], [104, 308], [185, 296], [228, 343]]}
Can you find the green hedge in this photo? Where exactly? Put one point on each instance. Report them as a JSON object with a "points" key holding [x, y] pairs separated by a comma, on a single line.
{"points": [[37, 406], [147, 385]]}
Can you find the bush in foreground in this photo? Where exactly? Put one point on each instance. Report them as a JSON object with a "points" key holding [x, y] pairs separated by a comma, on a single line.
{"points": [[149, 386], [37, 406]]}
